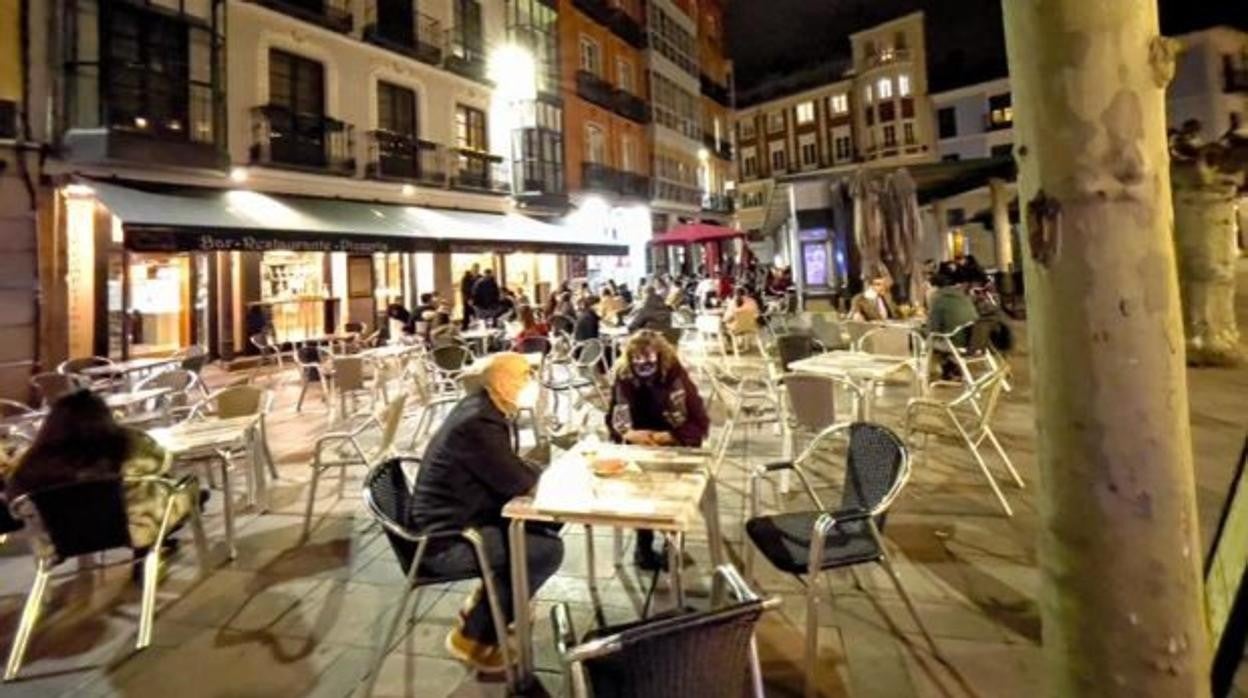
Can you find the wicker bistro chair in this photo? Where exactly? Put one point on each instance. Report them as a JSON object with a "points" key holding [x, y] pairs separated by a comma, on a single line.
{"points": [[679, 655], [345, 448], [448, 364], [580, 373], [84, 518], [51, 387], [388, 498], [966, 418], [808, 543]]}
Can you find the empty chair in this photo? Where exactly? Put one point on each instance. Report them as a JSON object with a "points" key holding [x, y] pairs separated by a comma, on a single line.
{"points": [[808, 543], [349, 381], [308, 360], [794, 347], [810, 403], [13, 408], [230, 403], [449, 362], [95, 372], [680, 655], [340, 449], [388, 498], [829, 332], [965, 348], [77, 366], [856, 329], [85, 518], [270, 352], [967, 419], [50, 387], [183, 386]]}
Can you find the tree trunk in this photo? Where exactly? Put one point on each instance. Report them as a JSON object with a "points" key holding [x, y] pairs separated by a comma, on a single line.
{"points": [[1122, 600], [1204, 234]]}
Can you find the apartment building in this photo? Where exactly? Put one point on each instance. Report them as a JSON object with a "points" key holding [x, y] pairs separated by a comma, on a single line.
{"points": [[975, 121], [606, 110], [1210, 80], [717, 171], [538, 165], [893, 117]]}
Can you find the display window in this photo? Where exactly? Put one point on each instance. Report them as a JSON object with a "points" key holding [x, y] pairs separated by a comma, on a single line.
{"points": [[158, 303]]}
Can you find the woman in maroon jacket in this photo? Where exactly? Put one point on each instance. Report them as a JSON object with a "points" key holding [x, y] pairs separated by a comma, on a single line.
{"points": [[654, 402]]}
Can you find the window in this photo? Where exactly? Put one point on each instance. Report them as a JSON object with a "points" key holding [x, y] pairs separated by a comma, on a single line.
{"points": [[147, 81], [628, 153], [884, 88], [396, 109], [778, 160], [838, 104], [947, 122], [747, 128], [1005, 150], [595, 144], [907, 132], [470, 128], [775, 122], [809, 150], [624, 75], [890, 136], [903, 85], [844, 148], [296, 110], [467, 37], [805, 113], [952, 157], [867, 94], [899, 41], [749, 164], [591, 56], [1000, 110]]}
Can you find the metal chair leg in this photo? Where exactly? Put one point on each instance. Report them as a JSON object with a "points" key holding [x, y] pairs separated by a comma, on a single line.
{"points": [[201, 539], [983, 467], [147, 611], [812, 635], [589, 559], [905, 597], [496, 608], [1009, 464], [617, 540], [302, 391], [30, 616], [383, 649], [307, 516], [227, 507]]}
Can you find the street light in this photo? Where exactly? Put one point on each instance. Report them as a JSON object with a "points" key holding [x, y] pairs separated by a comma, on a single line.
{"points": [[513, 70]]}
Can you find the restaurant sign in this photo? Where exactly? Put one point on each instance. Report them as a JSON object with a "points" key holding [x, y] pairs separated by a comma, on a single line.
{"points": [[210, 240]]}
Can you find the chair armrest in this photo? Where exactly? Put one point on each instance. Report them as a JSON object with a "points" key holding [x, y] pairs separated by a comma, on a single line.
{"points": [[778, 465], [847, 515]]}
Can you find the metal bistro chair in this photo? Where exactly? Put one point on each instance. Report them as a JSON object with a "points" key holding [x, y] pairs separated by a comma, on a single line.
{"points": [[175, 404], [580, 373], [562, 325], [749, 401], [794, 347], [534, 345], [13, 408], [810, 404], [347, 376], [308, 360], [84, 518], [966, 418], [266, 344], [829, 331], [899, 342], [448, 364], [78, 368], [241, 401], [340, 449], [51, 387], [388, 498], [809, 543], [680, 655], [969, 346]]}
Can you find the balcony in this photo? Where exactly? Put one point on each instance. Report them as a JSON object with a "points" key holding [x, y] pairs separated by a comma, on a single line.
{"points": [[635, 186], [718, 203], [716, 91], [598, 177], [598, 10], [475, 170], [465, 55], [594, 89], [721, 150], [399, 157], [292, 140], [665, 190], [395, 25], [630, 106], [627, 28], [331, 14]]}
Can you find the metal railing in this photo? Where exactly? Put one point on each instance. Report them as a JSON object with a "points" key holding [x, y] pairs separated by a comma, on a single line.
{"points": [[630, 106], [332, 14], [403, 157], [284, 138], [402, 29], [476, 170], [718, 203], [715, 90], [594, 89], [600, 177], [886, 56], [465, 54]]}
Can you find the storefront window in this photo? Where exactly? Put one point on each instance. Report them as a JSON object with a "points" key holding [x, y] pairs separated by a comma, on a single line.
{"points": [[292, 292], [159, 303]]}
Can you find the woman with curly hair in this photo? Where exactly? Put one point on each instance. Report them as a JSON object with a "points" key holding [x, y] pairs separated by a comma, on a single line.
{"points": [[654, 402]]}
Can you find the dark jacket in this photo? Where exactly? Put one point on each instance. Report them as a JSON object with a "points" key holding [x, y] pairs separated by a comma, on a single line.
{"points": [[671, 403], [586, 326], [951, 308], [485, 294], [466, 284], [654, 315], [469, 470]]}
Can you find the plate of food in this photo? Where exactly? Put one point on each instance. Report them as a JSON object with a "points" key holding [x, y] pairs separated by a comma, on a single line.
{"points": [[609, 467]]}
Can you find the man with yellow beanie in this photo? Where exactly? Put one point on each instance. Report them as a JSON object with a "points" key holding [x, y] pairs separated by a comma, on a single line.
{"points": [[468, 473]]}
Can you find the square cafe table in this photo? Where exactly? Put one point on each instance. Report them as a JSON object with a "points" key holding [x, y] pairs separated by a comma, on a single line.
{"points": [[861, 368], [212, 438], [664, 489], [129, 368]]}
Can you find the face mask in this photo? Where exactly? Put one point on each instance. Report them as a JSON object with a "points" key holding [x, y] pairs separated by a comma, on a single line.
{"points": [[870, 294], [645, 369]]}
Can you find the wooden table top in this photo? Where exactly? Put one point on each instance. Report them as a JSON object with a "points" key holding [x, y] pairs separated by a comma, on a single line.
{"points": [[661, 488], [851, 364], [205, 435]]}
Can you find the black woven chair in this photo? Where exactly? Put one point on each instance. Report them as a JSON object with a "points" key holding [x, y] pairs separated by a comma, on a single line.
{"points": [[683, 654], [84, 518], [389, 500], [808, 543]]}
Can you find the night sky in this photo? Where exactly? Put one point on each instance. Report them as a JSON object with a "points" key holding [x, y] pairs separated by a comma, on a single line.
{"points": [[774, 38]]}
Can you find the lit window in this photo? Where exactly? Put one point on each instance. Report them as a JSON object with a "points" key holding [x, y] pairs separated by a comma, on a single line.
{"points": [[866, 94], [903, 85], [591, 56], [839, 103], [805, 113], [775, 122], [884, 88]]}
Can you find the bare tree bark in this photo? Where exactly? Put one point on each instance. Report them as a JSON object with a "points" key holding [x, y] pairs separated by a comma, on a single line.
{"points": [[1122, 600]]}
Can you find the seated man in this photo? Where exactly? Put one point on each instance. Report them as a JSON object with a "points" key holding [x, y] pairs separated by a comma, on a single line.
{"points": [[468, 473], [654, 402], [951, 308], [874, 303]]}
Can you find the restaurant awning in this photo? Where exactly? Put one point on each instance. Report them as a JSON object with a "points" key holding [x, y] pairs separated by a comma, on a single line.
{"points": [[695, 232], [186, 220]]}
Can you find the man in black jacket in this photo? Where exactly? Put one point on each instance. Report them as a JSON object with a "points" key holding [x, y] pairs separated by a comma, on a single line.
{"points": [[468, 473], [466, 284], [486, 297]]}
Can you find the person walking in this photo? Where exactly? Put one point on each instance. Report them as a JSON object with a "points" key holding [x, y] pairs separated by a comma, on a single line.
{"points": [[466, 283]]}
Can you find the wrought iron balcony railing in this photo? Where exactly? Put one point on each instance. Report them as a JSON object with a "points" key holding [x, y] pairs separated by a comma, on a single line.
{"points": [[594, 89], [397, 26], [282, 137], [715, 90], [599, 177], [480, 171], [718, 203], [332, 14], [403, 157], [630, 106]]}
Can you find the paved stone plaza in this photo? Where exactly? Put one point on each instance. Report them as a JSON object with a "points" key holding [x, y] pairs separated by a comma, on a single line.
{"points": [[287, 619]]}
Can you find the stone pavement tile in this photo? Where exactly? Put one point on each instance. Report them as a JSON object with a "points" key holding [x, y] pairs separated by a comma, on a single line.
{"points": [[873, 652], [239, 599], [979, 670], [954, 620], [343, 613]]}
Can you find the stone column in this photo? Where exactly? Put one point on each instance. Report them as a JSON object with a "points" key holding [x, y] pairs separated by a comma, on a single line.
{"points": [[1001, 224]]}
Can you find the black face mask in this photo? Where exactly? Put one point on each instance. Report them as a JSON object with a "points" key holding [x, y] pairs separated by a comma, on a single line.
{"points": [[645, 370]]}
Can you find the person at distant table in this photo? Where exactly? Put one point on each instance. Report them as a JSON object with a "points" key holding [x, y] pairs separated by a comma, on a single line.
{"points": [[654, 402], [874, 303]]}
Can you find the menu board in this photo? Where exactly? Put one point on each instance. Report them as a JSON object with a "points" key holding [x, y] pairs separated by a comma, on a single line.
{"points": [[1226, 595]]}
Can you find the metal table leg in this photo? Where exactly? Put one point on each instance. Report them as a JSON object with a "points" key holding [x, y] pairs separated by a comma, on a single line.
{"points": [[675, 560], [714, 537], [520, 600], [227, 505]]}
